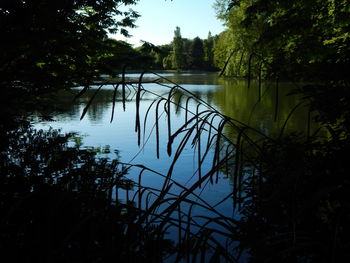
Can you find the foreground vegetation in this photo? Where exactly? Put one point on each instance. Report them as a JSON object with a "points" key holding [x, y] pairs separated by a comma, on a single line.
{"points": [[297, 210]]}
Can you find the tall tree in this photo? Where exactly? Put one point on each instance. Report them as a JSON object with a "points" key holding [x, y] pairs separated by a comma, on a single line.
{"points": [[178, 50], [196, 54], [209, 51]]}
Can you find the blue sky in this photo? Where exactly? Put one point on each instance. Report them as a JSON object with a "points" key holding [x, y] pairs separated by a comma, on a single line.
{"points": [[160, 17]]}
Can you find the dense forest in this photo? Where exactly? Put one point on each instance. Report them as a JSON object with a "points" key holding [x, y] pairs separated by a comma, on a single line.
{"points": [[300, 40], [182, 53], [58, 200]]}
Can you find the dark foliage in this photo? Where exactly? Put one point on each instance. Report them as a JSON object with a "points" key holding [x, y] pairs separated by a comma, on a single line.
{"points": [[298, 210], [58, 204], [57, 43], [196, 54]]}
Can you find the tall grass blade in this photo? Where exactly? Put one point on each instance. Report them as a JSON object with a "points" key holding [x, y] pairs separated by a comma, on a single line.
{"points": [[237, 171], [145, 120], [226, 62], [308, 131], [169, 148], [216, 158], [199, 146], [123, 87], [114, 99], [89, 103], [250, 69], [139, 185], [81, 93], [138, 98], [186, 109], [157, 127], [240, 63], [259, 86], [289, 116], [276, 100]]}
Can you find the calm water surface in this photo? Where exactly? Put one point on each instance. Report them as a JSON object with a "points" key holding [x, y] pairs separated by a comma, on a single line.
{"points": [[230, 96]]}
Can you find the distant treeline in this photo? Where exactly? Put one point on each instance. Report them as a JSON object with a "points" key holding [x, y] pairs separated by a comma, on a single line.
{"points": [[182, 53]]}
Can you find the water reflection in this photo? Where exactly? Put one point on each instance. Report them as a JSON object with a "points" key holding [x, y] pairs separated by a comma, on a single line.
{"points": [[267, 114], [231, 97], [264, 110]]}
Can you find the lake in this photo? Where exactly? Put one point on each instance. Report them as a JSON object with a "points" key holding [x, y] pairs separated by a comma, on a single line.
{"points": [[265, 109]]}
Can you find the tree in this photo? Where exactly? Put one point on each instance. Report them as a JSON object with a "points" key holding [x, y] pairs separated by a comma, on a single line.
{"points": [[178, 50], [209, 51], [271, 31], [168, 62], [320, 50], [196, 54], [160, 56], [153, 56], [57, 43], [239, 41]]}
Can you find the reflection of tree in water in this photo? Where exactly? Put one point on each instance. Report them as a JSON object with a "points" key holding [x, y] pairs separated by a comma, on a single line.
{"points": [[58, 203], [239, 102]]}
